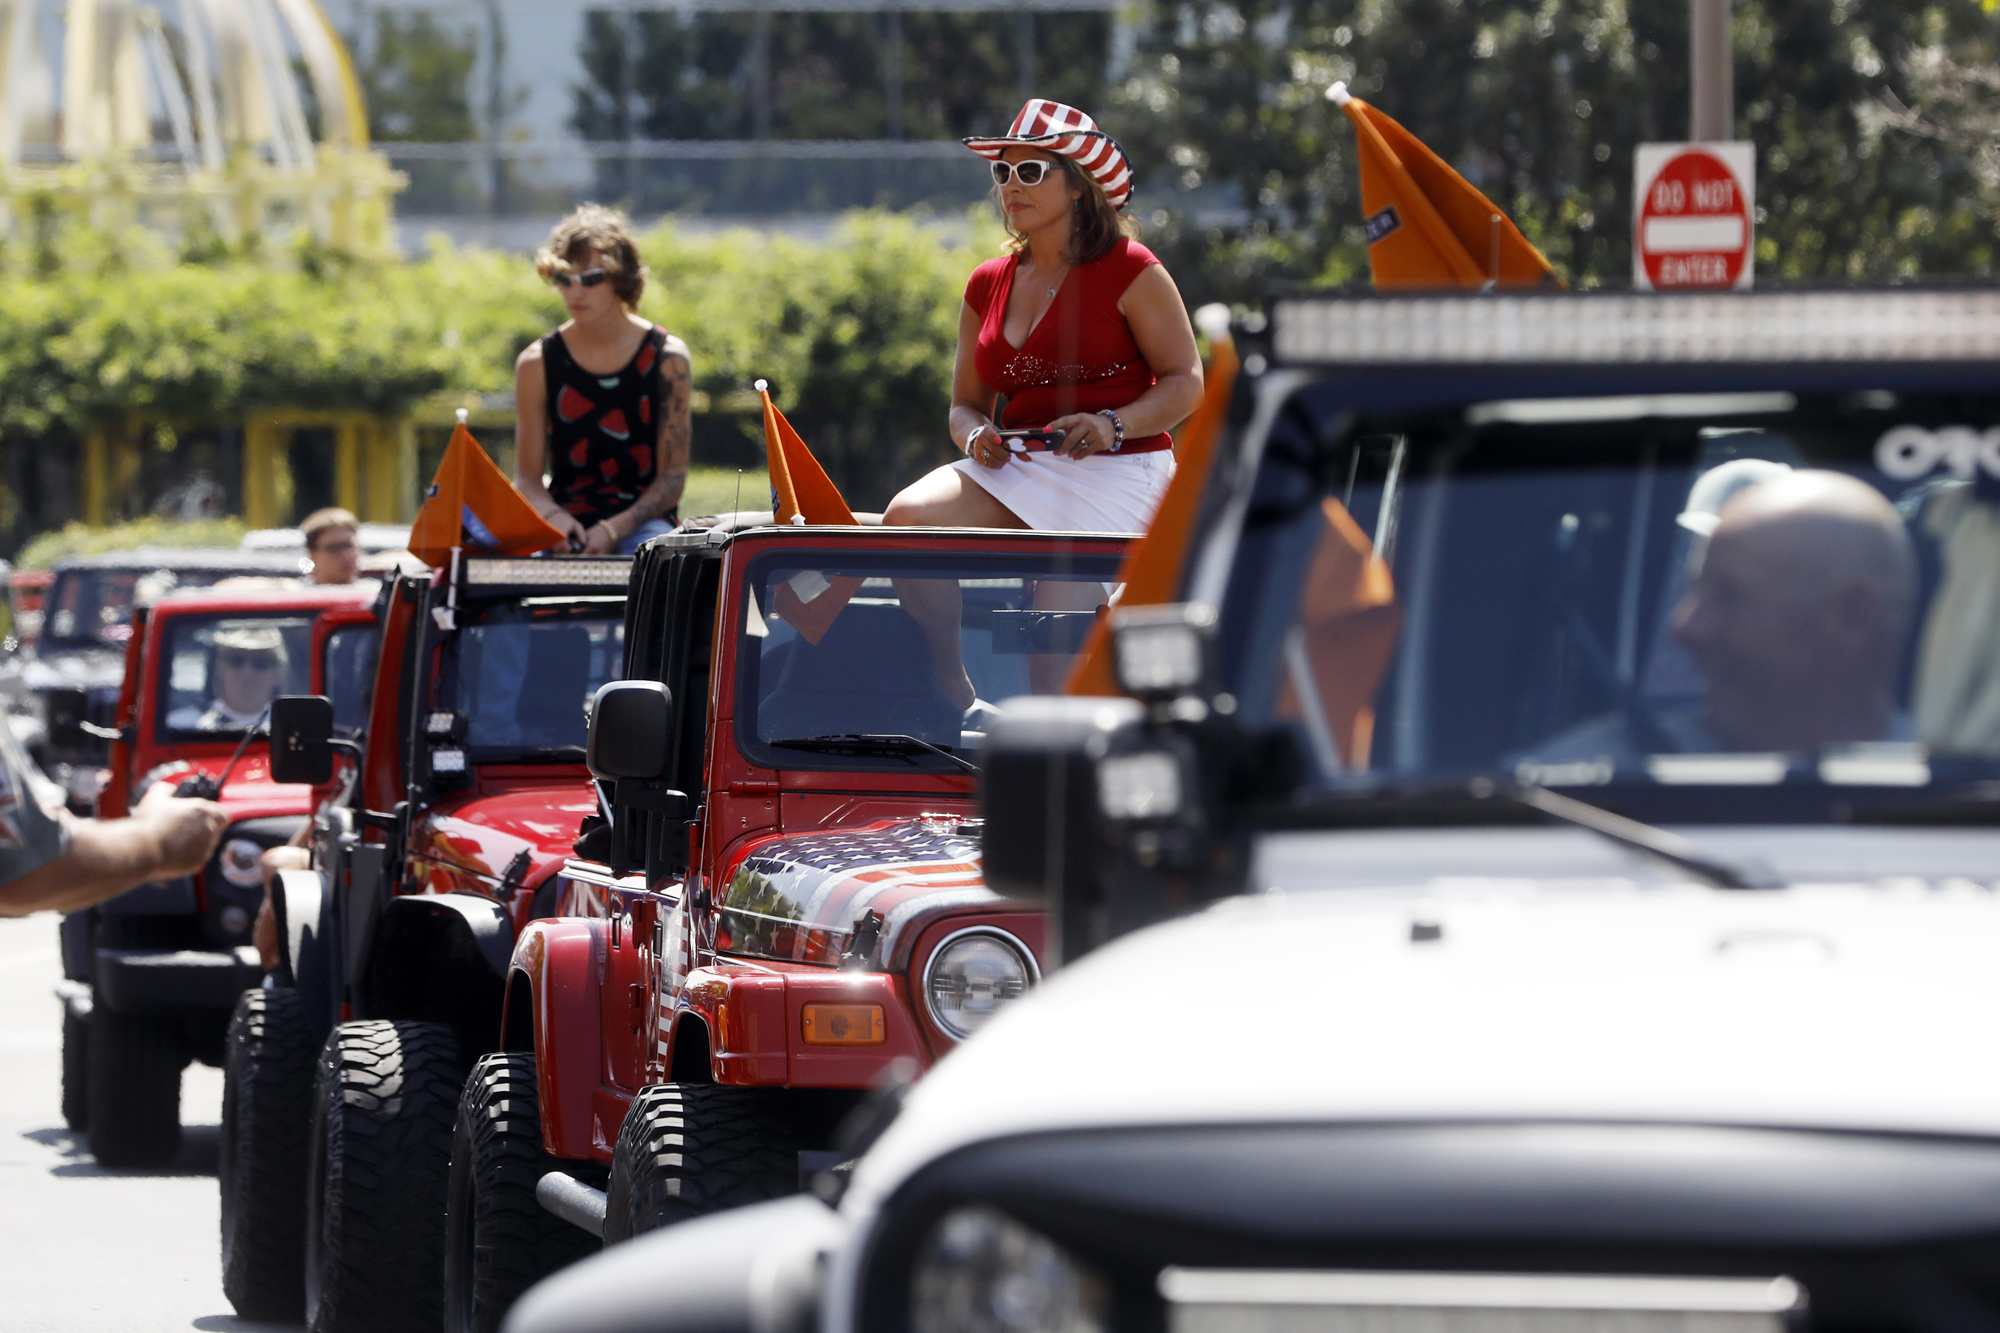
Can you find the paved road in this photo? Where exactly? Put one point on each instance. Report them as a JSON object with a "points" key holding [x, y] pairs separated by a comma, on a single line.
{"points": [[83, 1249]]}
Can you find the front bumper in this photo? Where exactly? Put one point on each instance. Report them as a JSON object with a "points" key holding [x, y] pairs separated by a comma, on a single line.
{"points": [[138, 981]]}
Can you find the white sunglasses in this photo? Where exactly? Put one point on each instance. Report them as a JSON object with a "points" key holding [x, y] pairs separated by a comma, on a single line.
{"points": [[1030, 172]]}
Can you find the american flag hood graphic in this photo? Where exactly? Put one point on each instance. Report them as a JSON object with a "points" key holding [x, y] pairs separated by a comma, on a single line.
{"points": [[804, 897]]}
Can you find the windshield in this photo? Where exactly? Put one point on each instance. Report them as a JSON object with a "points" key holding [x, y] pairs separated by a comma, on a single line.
{"points": [[92, 608], [1719, 592], [895, 660], [348, 670], [520, 673], [222, 671]]}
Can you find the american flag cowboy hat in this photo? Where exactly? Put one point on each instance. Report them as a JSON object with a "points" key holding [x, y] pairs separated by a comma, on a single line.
{"points": [[1064, 129]]}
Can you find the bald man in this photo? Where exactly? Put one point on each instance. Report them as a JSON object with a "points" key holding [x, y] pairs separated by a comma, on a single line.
{"points": [[1800, 613], [1798, 617]]}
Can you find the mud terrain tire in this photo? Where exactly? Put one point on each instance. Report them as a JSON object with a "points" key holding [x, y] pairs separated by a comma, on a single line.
{"points": [[498, 1240], [133, 1089], [688, 1149], [378, 1155], [266, 1114], [75, 1071]]}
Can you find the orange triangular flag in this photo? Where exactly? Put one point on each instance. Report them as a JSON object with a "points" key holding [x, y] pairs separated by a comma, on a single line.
{"points": [[1426, 225], [1152, 572], [472, 504], [1349, 623], [805, 494]]}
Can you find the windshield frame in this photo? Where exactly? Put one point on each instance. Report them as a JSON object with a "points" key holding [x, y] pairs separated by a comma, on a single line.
{"points": [[1053, 559]]}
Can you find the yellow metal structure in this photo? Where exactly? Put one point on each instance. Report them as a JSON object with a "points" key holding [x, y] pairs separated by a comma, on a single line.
{"points": [[201, 126]]}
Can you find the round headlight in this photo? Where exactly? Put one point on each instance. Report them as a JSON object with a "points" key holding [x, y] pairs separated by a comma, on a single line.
{"points": [[239, 862], [980, 1271], [973, 974]]}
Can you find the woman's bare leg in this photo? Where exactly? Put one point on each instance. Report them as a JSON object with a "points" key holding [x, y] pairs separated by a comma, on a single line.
{"points": [[1048, 671], [945, 498]]}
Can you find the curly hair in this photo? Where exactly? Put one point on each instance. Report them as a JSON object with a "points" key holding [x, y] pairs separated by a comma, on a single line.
{"points": [[1097, 225], [605, 230]]}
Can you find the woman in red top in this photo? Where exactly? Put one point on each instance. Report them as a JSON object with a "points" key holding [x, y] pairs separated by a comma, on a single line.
{"points": [[1079, 327]]}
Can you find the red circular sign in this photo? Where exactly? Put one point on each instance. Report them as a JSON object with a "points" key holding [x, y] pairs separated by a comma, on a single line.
{"points": [[1694, 224]]}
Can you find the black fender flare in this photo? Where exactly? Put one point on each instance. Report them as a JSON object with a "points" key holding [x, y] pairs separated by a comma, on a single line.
{"points": [[441, 958]]}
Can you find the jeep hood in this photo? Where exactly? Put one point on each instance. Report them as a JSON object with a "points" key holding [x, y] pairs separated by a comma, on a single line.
{"points": [[1532, 974], [798, 896], [484, 831]]}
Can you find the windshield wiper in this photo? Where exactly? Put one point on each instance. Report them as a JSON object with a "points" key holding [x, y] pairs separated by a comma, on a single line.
{"points": [[1654, 842], [1459, 803], [884, 742]]}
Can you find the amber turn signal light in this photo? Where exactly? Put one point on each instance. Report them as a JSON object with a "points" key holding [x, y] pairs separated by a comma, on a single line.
{"points": [[844, 1025]]}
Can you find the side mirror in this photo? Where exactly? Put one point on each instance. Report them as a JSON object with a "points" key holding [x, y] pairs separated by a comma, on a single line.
{"points": [[302, 739], [1044, 836], [63, 712], [629, 722]]}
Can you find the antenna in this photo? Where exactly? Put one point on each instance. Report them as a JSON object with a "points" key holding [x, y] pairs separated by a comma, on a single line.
{"points": [[738, 507]]}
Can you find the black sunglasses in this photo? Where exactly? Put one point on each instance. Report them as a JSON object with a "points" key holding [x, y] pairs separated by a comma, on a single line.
{"points": [[590, 277], [250, 661], [1030, 172]]}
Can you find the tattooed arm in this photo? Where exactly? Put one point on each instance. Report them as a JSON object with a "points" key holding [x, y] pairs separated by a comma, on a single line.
{"points": [[672, 449]]}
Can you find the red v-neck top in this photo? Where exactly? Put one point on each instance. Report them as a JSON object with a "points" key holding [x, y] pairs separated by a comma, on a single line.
{"points": [[1081, 357]]}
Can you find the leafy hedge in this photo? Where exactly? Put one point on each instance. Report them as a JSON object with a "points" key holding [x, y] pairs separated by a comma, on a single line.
{"points": [[854, 333], [83, 539]]}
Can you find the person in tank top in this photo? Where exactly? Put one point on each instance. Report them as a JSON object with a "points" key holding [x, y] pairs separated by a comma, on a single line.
{"points": [[601, 403], [1080, 329]]}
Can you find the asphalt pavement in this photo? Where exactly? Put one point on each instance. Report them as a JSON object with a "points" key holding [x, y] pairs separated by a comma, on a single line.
{"points": [[81, 1248]]}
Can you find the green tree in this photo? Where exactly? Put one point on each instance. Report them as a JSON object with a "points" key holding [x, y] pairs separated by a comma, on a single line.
{"points": [[1540, 107], [416, 74]]}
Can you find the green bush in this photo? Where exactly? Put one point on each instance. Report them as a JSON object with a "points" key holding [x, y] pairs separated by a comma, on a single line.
{"points": [[83, 539], [855, 335]]}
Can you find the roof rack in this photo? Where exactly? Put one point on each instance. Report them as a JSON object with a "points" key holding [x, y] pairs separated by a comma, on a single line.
{"points": [[1911, 325]]}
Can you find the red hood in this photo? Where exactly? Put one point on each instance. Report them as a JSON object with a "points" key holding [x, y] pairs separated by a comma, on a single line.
{"points": [[251, 794], [483, 830]]}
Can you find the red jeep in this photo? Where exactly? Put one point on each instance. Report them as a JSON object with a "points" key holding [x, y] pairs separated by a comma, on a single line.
{"points": [[782, 900], [149, 976], [436, 845]]}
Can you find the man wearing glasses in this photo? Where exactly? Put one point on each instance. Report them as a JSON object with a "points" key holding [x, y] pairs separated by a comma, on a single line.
{"points": [[246, 669], [333, 544], [601, 404]]}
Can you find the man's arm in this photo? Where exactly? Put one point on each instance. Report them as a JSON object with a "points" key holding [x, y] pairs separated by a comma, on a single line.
{"points": [[674, 447], [166, 835]]}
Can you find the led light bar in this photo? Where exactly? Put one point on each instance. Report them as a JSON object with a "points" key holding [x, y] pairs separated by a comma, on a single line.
{"points": [[1609, 330], [1259, 1301], [567, 571]]}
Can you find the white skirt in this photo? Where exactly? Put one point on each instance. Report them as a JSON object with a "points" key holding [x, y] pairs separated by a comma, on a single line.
{"points": [[1055, 493]]}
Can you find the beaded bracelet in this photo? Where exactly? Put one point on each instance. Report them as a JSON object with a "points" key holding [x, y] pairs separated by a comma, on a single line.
{"points": [[1117, 429]]}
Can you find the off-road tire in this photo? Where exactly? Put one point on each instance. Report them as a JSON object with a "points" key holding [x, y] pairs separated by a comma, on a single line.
{"points": [[267, 1086], [133, 1088], [378, 1156], [75, 1071], [688, 1149], [498, 1241]]}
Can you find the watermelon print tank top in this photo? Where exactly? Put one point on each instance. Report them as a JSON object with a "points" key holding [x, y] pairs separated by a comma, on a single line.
{"points": [[604, 430]]}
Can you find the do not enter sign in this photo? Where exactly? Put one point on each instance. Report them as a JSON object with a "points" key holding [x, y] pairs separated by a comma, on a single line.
{"points": [[1693, 206]]}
